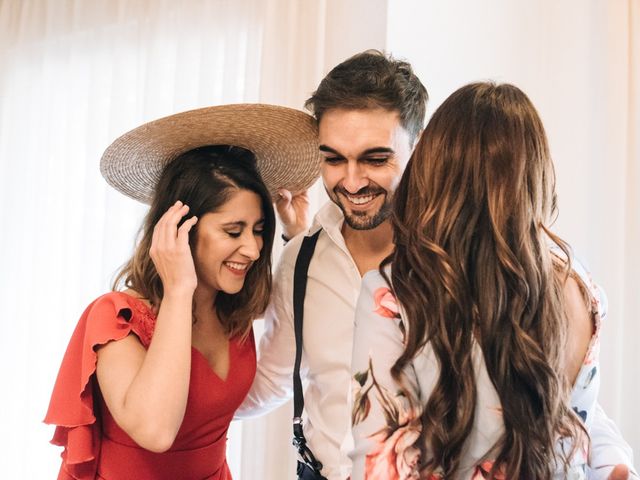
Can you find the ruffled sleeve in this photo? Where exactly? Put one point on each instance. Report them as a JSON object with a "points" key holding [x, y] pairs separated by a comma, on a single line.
{"points": [[111, 317]]}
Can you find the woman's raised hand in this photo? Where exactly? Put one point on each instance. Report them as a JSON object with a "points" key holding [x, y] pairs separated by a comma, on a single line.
{"points": [[170, 250]]}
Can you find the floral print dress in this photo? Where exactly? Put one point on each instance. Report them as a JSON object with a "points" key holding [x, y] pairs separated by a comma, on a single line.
{"points": [[386, 428]]}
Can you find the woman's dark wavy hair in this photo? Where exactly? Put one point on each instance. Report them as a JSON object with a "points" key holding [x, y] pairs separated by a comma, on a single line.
{"points": [[204, 179], [472, 264]]}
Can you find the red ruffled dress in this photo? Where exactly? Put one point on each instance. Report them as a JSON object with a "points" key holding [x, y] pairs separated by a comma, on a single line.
{"points": [[96, 448]]}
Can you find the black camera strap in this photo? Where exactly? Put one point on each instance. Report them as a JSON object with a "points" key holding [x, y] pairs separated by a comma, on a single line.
{"points": [[299, 292]]}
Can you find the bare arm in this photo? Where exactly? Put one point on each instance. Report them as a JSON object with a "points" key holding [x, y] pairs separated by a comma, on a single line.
{"points": [[146, 390], [580, 328]]}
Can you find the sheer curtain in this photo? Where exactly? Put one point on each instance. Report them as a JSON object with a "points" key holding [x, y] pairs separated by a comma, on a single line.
{"points": [[579, 61], [629, 358], [73, 76]]}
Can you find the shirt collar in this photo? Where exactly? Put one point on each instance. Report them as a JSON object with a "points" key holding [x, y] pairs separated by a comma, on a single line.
{"points": [[330, 218]]}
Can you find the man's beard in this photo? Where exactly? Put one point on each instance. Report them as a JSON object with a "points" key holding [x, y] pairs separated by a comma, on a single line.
{"points": [[362, 220]]}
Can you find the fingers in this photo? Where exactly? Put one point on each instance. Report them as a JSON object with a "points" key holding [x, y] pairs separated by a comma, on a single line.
{"points": [[185, 228], [286, 200], [284, 197], [173, 215], [170, 251], [172, 218], [292, 211], [283, 205], [165, 231], [302, 196]]}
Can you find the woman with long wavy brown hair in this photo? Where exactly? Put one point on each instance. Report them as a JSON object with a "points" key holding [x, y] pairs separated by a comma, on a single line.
{"points": [[469, 339]]}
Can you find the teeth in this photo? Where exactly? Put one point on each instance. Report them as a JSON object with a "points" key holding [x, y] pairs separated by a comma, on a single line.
{"points": [[237, 266], [360, 200]]}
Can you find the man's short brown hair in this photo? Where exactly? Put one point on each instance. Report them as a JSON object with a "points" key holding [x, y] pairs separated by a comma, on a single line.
{"points": [[372, 79]]}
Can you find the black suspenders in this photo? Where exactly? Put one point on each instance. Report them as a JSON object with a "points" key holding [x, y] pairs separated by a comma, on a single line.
{"points": [[299, 291]]}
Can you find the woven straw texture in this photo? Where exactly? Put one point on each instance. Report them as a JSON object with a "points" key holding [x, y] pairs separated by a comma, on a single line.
{"points": [[284, 141]]}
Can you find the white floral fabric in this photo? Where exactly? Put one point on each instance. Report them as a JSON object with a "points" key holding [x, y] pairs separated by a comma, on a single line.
{"points": [[386, 426]]}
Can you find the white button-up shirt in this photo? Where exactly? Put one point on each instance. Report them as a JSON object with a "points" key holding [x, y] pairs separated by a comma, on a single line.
{"points": [[333, 288]]}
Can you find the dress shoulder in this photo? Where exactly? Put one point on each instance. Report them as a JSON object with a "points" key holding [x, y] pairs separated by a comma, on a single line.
{"points": [[112, 316]]}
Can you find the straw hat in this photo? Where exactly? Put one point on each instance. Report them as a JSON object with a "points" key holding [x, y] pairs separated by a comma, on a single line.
{"points": [[284, 141]]}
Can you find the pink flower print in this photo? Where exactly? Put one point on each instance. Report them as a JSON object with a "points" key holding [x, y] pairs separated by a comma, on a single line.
{"points": [[394, 457], [482, 471], [385, 302]]}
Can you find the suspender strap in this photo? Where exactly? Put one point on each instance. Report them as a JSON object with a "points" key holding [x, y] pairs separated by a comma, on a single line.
{"points": [[299, 291]]}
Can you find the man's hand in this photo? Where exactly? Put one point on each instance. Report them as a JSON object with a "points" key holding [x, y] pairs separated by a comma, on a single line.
{"points": [[620, 472], [293, 211]]}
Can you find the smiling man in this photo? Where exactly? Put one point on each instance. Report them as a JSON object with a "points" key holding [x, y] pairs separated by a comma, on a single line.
{"points": [[371, 110], [360, 178]]}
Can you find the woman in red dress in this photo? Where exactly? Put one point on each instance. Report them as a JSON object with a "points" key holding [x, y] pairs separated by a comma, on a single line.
{"points": [[153, 373]]}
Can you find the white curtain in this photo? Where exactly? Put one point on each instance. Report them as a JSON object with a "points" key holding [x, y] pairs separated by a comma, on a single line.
{"points": [[579, 61], [627, 385], [73, 76], [76, 74]]}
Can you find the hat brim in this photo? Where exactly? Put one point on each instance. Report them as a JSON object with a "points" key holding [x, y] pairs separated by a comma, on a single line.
{"points": [[284, 141]]}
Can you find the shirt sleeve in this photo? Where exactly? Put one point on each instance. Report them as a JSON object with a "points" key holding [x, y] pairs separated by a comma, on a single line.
{"points": [[385, 425], [608, 448], [273, 384]]}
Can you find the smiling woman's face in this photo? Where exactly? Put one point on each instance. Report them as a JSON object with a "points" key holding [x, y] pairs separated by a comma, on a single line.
{"points": [[228, 241]]}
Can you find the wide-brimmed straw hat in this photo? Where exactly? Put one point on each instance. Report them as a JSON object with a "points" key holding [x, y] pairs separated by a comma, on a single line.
{"points": [[284, 141]]}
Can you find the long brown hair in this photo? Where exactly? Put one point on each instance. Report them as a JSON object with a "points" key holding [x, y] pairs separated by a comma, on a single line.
{"points": [[204, 179], [472, 263]]}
